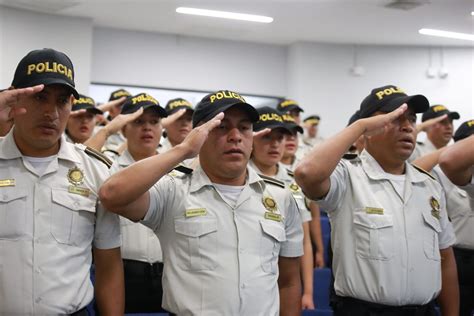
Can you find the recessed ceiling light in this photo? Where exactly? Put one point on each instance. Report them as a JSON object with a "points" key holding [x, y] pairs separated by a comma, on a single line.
{"points": [[472, 13], [225, 15], [441, 33]]}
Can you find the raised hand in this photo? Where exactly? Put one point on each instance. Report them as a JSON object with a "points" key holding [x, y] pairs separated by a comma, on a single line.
{"points": [[111, 104], [167, 121], [121, 120], [376, 124], [9, 101], [423, 126]]}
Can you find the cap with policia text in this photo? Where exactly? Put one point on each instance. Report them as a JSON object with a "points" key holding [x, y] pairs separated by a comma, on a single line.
{"points": [[85, 103], [313, 120], [388, 98], [437, 111], [145, 101], [288, 105], [220, 101], [465, 130], [291, 123], [117, 94], [177, 104], [45, 66], [269, 118]]}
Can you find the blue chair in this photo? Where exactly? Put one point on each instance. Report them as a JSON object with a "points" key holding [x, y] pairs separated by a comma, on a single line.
{"points": [[325, 226], [321, 284], [317, 312]]}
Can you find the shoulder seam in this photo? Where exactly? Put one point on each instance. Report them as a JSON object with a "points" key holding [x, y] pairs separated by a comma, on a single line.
{"points": [[271, 180], [99, 156], [423, 171]]}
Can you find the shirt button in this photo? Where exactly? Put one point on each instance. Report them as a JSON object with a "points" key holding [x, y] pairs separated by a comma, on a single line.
{"points": [[38, 300], [38, 270], [243, 285], [76, 204]]}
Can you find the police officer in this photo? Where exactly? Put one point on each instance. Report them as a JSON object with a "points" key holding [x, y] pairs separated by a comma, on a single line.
{"points": [[141, 250], [311, 125], [391, 237], [268, 148], [52, 222], [80, 125], [177, 130], [114, 141], [231, 239], [439, 133]]}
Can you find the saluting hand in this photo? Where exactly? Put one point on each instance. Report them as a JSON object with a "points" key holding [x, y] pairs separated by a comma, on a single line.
{"points": [[167, 121], [111, 104], [423, 126], [261, 133], [376, 124], [121, 120], [9, 101], [198, 135]]}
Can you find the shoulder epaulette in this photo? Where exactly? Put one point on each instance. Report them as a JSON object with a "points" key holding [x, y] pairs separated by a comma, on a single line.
{"points": [[423, 171], [183, 169], [99, 156], [111, 151], [419, 143], [290, 173], [350, 156], [272, 181]]}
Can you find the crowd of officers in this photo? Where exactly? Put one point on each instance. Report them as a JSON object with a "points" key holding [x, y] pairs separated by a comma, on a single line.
{"points": [[222, 216]]}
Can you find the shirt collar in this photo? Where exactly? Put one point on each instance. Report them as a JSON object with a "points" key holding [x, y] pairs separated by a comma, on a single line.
{"points": [[125, 159], [9, 149]]}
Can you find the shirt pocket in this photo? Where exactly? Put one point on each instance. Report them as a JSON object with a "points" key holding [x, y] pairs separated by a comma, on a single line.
{"points": [[374, 235], [72, 218], [430, 236], [196, 243], [273, 234], [13, 214]]}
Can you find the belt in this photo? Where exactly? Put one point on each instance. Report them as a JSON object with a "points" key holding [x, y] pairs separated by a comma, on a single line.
{"points": [[350, 302], [142, 268]]}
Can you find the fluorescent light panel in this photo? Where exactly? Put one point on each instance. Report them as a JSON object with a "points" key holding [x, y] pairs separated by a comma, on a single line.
{"points": [[225, 15], [441, 33]]}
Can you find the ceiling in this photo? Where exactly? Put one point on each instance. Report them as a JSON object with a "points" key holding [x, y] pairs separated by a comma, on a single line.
{"points": [[331, 21]]}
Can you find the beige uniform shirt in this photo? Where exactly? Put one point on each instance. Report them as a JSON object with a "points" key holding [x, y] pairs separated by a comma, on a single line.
{"points": [[470, 187], [284, 176], [221, 259], [113, 143], [165, 145], [460, 209], [138, 241], [386, 246], [422, 149], [48, 225]]}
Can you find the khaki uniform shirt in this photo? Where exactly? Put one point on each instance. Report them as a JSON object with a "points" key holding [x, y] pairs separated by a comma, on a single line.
{"points": [[138, 241], [460, 209], [421, 149], [48, 225], [386, 246], [221, 259], [470, 187]]}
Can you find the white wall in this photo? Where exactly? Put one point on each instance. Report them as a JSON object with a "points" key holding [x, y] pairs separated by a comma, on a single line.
{"points": [[149, 59], [22, 31], [320, 80]]}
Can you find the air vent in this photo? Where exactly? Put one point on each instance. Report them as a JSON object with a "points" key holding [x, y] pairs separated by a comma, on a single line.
{"points": [[406, 4]]}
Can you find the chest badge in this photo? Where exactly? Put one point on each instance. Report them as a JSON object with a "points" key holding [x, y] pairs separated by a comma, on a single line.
{"points": [[271, 206], [435, 208], [75, 176]]}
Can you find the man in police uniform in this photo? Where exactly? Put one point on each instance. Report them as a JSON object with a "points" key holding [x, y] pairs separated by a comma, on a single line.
{"points": [[439, 134], [141, 250], [391, 236], [231, 240], [52, 222]]}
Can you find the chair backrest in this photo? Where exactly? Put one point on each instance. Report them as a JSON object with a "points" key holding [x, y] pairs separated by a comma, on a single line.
{"points": [[321, 284]]}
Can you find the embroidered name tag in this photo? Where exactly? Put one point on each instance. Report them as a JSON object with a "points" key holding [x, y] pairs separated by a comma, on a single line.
{"points": [[273, 217], [7, 183], [193, 212], [80, 191], [374, 210]]}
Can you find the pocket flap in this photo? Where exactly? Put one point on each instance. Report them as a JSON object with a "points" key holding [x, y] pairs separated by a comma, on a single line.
{"points": [[73, 201], [274, 230], [195, 227], [373, 221], [432, 221], [11, 195]]}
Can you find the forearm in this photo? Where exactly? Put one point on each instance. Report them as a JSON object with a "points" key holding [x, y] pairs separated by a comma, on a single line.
{"points": [[290, 300], [457, 160], [321, 161], [315, 227], [109, 282], [307, 261], [448, 299], [138, 178], [429, 161], [98, 140]]}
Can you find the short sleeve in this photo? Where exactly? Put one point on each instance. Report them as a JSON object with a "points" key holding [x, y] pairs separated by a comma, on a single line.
{"points": [[107, 229], [446, 237], [162, 194], [337, 188], [293, 246]]}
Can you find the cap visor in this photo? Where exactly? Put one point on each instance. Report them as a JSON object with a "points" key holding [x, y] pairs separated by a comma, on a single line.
{"points": [[51, 81], [161, 112], [258, 127], [418, 103], [180, 108], [454, 115]]}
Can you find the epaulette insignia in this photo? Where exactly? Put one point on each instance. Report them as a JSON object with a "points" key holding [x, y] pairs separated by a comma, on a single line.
{"points": [[290, 173], [419, 143], [273, 181], [349, 156], [183, 169], [112, 151], [423, 171], [99, 156]]}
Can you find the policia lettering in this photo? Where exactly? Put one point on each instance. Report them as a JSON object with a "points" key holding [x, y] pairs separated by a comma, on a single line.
{"points": [[144, 97], [270, 117], [47, 67], [386, 92], [226, 95]]}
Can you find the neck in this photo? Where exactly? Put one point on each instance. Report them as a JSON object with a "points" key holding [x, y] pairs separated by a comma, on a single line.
{"points": [[392, 166], [29, 151], [139, 155], [288, 160], [268, 170], [237, 181]]}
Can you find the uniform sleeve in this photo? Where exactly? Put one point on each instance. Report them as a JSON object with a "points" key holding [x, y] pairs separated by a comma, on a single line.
{"points": [[470, 187], [337, 188], [161, 196], [107, 229], [293, 246], [446, 237]]}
